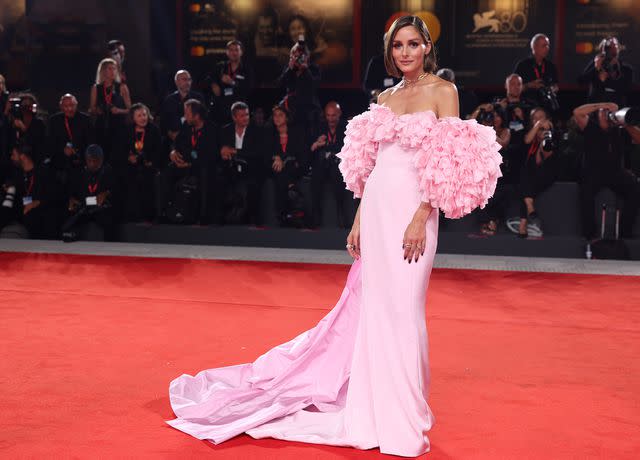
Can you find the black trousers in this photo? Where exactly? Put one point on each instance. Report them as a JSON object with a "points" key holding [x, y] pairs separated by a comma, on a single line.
{"points": [[535, 179], [622, 183], [326, 170], [497, 204], [241, 192], [104, 217], [140, 186], [167, 185], [283, 182]]}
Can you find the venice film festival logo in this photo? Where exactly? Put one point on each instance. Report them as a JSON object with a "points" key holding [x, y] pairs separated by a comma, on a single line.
{"points": [[505, 22]]}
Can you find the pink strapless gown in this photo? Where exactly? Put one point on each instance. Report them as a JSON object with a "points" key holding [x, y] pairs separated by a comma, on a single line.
{"points": [[360, 377]]}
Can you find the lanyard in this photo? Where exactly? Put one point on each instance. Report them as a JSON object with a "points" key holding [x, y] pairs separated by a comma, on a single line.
{"points": [[108, 97], [139, 142], [68, 128], [533, 149], [539, 74], [283, 145], [332, 140], [232, 74], [93, 188], [30, 186], [194, 139]]}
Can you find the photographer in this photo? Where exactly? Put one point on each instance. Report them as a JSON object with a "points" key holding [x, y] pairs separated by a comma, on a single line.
{"points": [[27, 128], [496, 117], [230, 81], [376, 78], [36, 195], [92, 197], [467, 99], [117, 51], [195, 157], [539, 75], [138, 158], [285, 145], [603, 164], [172, 111], [243, 167], [300, 80], [329, 139], [69, 135], [110, 103], [541, 168], [609, 78]]}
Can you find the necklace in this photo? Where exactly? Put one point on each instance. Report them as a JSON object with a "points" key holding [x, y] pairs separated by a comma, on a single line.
{"points": [[407, 82]]}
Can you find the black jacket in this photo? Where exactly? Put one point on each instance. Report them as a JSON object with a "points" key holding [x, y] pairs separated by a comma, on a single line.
{"points": [[172, 110], [151, 148], [58, 137], [199, 147]]}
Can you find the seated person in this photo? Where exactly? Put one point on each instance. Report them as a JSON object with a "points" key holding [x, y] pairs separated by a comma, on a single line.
{"points": [[328, 141], [286, 148], [139, 157], [69, 135], [243, 168], [541, 169], [194, 158], [603, 165], [91, 197]]}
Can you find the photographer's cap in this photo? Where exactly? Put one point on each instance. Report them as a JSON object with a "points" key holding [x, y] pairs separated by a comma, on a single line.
{"points": [[94, 151]]}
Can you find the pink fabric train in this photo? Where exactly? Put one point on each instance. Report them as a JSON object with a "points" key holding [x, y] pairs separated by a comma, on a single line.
{"points": [[457, 160]]}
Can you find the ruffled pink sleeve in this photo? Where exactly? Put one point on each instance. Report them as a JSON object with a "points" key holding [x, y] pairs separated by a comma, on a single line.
{"points": [[358, 155], [459, 166]]}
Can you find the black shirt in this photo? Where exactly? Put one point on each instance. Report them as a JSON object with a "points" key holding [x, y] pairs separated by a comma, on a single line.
{"points": [[243, 78], [76, 131], [530, 71], [35, 136], [610, 90], [173, 110], [604, 150], [376, 76], [199, 146], [147, 145], [86, 183]]}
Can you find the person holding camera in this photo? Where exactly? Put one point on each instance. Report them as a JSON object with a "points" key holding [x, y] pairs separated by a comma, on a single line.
{"points": [[608, 76], [110, 104], [69, 135], [193, 159], [285, 143], [539, 74], [606, 141], [30, 195], [300, 81], [27, 128], [230, 81], [540, 170], [243, 166], [329, 140], [92, 197], [138, 158]]}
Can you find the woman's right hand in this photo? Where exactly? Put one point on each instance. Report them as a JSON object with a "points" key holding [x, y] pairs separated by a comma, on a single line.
{"points": [[353, 240]]}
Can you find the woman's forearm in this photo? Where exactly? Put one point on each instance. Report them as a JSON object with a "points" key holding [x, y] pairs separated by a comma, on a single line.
{"points": [[423, 212]]}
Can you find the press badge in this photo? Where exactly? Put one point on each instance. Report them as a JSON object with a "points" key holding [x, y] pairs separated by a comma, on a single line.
{"points": [[26, 200], [182, 120], [239, 167], [228, 91], [91, 201], [194, 154], [387, 82], [516, 125]]}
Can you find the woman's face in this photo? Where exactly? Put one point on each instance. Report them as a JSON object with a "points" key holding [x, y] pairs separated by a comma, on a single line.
{"points": [[497, 121], [296, 28], [140, 118], [409, 50], [109, 72], [279, 118]]}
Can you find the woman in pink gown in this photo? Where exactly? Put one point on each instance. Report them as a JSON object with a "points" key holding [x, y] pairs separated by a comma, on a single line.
{"points": [[360, 377]]}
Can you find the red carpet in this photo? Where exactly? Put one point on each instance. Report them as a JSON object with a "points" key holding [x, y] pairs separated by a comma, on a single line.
{"points": [[524, 365]]}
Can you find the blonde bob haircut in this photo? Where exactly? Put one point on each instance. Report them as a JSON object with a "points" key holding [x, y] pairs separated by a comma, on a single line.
{"points": [[100, 72], [429, 63]]}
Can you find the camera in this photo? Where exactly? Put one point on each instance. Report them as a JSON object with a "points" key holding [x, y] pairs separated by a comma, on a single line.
{"points": [[16, 108], [302, 57], [485, 117], [9, 197], [626, 116], [549, 98], [549, 141]]}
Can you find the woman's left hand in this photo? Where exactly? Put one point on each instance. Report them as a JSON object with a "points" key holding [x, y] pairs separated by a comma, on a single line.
{"points": [[415, 239]]}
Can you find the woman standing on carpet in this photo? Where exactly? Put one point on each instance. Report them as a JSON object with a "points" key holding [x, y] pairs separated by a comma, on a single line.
{"points": [[360, 377]]}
